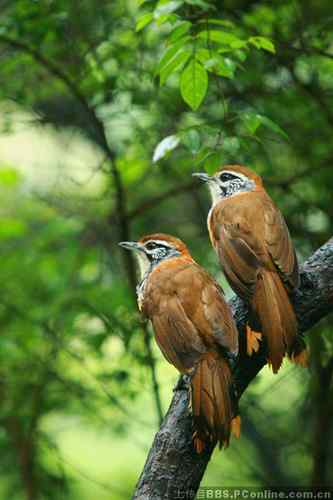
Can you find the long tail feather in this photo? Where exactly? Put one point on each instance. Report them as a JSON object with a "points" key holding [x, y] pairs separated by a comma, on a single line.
{"points": [[212, 404], [276, 315]]}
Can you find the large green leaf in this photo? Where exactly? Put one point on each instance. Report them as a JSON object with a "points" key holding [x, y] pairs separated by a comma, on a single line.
{"points": [[194, 84], [179, 31], [143, 21], [222, 37], [170, 53], [175, 63]]}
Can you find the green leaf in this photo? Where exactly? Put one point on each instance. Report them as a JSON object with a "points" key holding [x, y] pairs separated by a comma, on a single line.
{"points": [[191, 139], [143, 21], [238, 44], [204, 55], [165, 8], [267, 122], [252, 121], [261, 42], [231, 145], [194, 84], [240, 54], [165, 146], [167, 18], [221, 66], [202, 155], [222, 37], [177, 62], [200, 3], [180, 30], [219, 22], [213, 162], [268, 45], [210, 130], [226, 68], [170, 53]]}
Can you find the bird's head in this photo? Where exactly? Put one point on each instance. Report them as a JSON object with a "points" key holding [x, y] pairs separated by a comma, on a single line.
{"points": [[230, 181], [154, 248]]}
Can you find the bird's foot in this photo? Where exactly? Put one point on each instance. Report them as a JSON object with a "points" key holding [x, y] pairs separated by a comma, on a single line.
{"points": [[236, 426], [183, 383], [301, 359], [299, 353], [253, 340]]}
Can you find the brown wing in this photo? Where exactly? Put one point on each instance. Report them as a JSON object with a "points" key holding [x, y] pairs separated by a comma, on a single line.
{"points": [[219, 317], [189, 315], [175, 332], [251, 234], [279, 245], [239, 261], [176, 335]]}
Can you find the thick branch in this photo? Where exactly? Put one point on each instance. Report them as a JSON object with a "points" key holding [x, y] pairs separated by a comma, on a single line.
{"points": [[172, 465]]}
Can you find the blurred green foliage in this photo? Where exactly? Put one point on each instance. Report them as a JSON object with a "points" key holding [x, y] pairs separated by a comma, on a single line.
{"points": [[193, 84]]}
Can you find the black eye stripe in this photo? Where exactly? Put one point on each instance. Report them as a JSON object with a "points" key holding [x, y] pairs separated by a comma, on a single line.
{"points": [[226, 176], [151, 245]]}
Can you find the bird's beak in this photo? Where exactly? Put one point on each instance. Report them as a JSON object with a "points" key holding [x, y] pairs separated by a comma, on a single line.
{"points": [[202, 176], [131, 245]]}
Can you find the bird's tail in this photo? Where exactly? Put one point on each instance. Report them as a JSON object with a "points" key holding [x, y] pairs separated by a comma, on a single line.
{"points": [[212, 400], [276, 315]]}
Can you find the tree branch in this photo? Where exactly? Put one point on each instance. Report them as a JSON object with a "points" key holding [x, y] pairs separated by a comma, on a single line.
{"points": [[172, 467]]}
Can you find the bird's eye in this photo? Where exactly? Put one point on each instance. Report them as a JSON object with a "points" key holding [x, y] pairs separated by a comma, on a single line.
{"points": [[151, 245], [226, 176]]}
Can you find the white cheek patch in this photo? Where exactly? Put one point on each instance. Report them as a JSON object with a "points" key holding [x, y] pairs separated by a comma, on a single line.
{"points": [[144, 263], [215, 191], [161, 251], [220, 190]]}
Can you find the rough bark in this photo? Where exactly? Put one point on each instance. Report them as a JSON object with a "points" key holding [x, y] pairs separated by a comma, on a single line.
{"points": [[173, 468]]}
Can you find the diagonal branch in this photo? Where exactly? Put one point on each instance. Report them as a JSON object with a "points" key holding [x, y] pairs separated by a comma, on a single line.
{"points": [[173, 468]]}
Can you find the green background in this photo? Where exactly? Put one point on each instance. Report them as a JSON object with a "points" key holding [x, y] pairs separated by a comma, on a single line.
{"points": [[82, 109]]}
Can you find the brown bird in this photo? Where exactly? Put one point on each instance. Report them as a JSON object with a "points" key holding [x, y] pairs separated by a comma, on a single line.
{"points": [[194, 329], [255, 250]]}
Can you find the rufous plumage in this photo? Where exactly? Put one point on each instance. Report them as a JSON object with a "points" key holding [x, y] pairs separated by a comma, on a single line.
{"points": [[252, 241], [194, 329]]}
